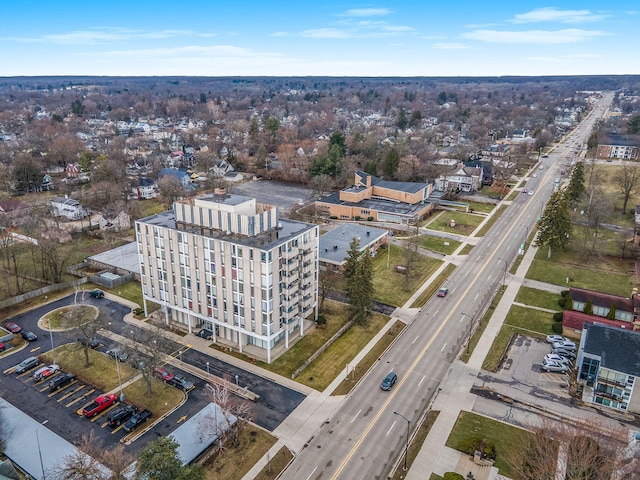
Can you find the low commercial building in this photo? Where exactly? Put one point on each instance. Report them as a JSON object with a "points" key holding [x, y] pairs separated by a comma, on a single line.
{"points": [[334, 245]]}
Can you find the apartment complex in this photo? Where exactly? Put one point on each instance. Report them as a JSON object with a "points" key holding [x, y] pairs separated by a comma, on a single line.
{"points": [[231, 265]]}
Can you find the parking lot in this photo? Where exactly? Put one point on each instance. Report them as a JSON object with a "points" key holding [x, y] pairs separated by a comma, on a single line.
{"points": [[280, 194]]}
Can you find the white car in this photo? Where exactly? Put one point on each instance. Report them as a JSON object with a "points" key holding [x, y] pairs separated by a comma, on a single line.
{"points": [[567, 345], [554, 367], [44, 372], [552, 357], [557, 338]]}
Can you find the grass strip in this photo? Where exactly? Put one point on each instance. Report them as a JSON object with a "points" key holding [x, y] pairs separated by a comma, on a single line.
{"points": [[494, 218], [484, 321]]}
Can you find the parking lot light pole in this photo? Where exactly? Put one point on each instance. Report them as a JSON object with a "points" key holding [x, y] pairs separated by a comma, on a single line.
{"points": [[406, 448], [470, 329], [119, 379], [51, 336]]}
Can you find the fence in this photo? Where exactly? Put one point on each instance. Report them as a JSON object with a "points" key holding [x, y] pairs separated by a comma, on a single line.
{"points": [[41, 291]]}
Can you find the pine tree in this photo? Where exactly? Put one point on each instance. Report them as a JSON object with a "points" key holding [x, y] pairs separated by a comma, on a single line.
{"points": [[358, 273], [576, 188], [555, 225]]}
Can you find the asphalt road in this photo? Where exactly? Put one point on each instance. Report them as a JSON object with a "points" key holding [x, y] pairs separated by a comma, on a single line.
{"points": [[276, 402], [367, 434]]}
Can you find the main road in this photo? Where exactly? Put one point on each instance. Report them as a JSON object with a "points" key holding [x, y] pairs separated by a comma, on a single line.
{"points": [[368, 433]]}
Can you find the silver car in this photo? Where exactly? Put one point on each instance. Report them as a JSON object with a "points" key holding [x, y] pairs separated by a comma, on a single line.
{"points": [[554, 367], [553, 357], [566, 345]]}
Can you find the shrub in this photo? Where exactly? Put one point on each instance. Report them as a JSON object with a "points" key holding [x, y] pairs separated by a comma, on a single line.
{"points": [[356, 218], [556, 328], [564, 293], [452, 476], [568, 304], [138, 311], [588, 307], [562, 301], [557, 317], [333, 217], [612, 312], [370, 219], [471, 445], [321, 320]]}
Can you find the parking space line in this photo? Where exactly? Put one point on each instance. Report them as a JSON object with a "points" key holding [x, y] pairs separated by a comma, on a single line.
{"points": [[67, 395], [117, 428], [115, 404], [81, 398]]}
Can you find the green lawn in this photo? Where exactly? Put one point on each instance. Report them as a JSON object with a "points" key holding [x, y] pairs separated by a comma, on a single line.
{"points": [[494, 218], [498, 347], [437, 244], [71, 316], [530, 319], [480, 328], [466, 249], [275, 466], [502, 435], [538, 298], [481, 207], [466, 223]]}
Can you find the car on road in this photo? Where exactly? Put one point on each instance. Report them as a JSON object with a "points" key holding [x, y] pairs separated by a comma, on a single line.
{"points": [[535, 175], [554, 357], [568, 345], [182, 383], [60, 381], [27, 364], [45, 372], [443, 292], [541, 167], [118, 353], [163, 374], [121, 415], [554, 367], [530, 193], [29, 336], [557, 338], [12, 327], [563, 352], [545, 156], [97, 293], [389, 381], [136, 420]]}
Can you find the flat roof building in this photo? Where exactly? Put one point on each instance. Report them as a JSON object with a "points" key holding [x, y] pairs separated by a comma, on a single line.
{"points": [[231, 265]]}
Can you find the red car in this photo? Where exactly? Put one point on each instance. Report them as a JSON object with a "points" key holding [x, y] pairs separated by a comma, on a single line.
{"points": [[443, 292], [12, 327], [163, 374]]}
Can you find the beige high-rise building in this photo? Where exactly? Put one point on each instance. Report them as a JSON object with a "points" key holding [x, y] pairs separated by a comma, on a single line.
{"points": [[228, 264]]}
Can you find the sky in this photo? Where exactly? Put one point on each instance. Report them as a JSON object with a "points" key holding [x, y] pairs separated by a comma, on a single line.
{"points": [[318, 38]]}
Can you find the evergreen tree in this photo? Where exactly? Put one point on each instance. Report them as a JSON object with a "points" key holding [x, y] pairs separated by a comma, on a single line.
{"points": [[402, 122], [391, 164], [576, 188], [160, 461], [358, 273], [555, 225]]}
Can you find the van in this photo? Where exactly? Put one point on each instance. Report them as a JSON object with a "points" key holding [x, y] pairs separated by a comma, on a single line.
{"points": [[26, 364], [389, 381]]}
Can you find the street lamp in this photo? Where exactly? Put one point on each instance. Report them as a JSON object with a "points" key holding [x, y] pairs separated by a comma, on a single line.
{"points": [[470, 329], [406, 448], [51, 336], [119, 379], [504, 277], [207, 368]]}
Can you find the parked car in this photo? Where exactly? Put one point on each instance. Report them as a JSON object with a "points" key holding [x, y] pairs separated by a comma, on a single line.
{"points": [[93, 342], [137, 420], [567, 345], [553, 357], [163, 374], [443, 292], [97, 293], [205, 333], [182, 383], [27, 364], [557, 338], [100, 404], [121, 415], [12, 327], [554, 367], [2, 347], [389, 381], [44, 372], [119, 353], [60, 381], [29, 336], [564, 352]]}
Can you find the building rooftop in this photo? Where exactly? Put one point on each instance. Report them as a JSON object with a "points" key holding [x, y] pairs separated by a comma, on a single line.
{"points": [[378, 204], [619, 349], [334, 244], [124, 257]]}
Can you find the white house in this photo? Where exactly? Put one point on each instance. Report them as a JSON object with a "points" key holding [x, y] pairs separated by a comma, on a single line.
{"points": [[67, 207], [120, 222], [463, 179]]}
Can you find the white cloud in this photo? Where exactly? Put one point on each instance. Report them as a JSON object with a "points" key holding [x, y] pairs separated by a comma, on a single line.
{"points": [[103, 35], [326, 33], [279, 34], [551, 14], [569, 35], [192, 50], [367, 12]]}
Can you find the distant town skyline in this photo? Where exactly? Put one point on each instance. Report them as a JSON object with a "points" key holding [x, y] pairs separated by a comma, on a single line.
{"points": [[257, 38]]}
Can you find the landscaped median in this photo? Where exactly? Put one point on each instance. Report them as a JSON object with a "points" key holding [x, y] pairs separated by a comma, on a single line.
{"points": [[102, 374]]}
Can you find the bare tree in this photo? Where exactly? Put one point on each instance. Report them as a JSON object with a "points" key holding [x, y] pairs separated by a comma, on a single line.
{"points": [[626, 182], [231, 406], [86, 330], [170, 189]]}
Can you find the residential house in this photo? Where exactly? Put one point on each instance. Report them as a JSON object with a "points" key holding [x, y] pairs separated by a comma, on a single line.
{"points": [[144, 190], [182, 175], [118, 223], [496, 150], [68, 208], [14, 209], [221, 168], [242, 272], [72, 170], [626, 311], [608, 366], [334, 245], [462, 179], [373, 198], [233, 176]]}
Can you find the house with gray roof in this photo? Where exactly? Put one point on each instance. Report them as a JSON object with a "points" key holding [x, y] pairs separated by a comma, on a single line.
{"points": [[608, 367], [334, 245]]}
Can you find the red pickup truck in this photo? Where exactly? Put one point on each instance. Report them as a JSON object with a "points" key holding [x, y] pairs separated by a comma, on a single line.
{"points": [[98, 405]]}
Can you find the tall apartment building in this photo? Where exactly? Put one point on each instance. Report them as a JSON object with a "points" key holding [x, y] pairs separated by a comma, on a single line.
{"points": [[231, 265]]}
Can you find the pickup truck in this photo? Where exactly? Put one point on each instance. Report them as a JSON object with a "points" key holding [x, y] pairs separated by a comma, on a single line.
{"points": [[98, 405], [136, 420]]}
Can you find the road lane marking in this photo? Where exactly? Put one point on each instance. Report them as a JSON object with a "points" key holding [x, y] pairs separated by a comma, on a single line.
{"points": [[443, 346], [414, 340], [390, 428], [476, 297], [421, 380], [356, 416], [314, 471]]}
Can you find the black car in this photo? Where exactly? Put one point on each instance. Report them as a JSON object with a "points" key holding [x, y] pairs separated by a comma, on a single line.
{"points": [[121, 415], [93, 342], [29, 336], [137, 420], [97, 293], [60, 381]]}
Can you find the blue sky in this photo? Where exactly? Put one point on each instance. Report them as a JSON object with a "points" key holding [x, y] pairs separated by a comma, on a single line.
{"points": [[400, 38]]}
